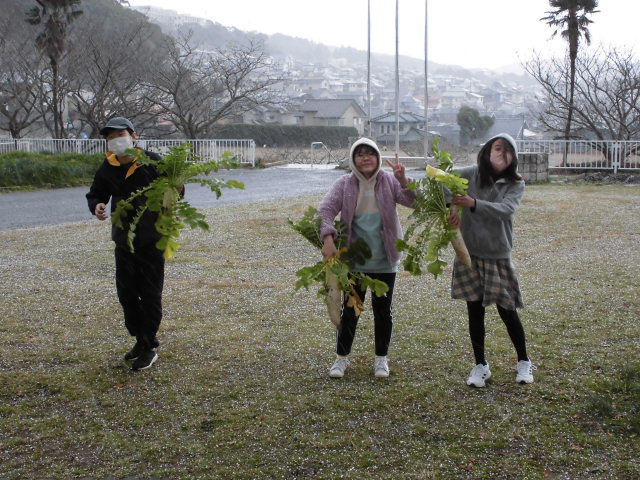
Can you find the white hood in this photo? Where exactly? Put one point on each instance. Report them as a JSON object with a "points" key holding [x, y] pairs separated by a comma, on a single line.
{"points": [[352, 166], [508, 138]]}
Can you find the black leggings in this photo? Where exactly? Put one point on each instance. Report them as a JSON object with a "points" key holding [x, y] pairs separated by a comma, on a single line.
{"points": [[382, 318], [477, 332]]}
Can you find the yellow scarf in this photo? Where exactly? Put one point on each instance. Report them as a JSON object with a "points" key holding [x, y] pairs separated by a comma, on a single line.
{"points": [[112, 159]]}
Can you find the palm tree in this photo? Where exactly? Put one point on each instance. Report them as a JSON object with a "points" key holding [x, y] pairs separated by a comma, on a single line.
{"points": [[54, 16], [570, 20]]}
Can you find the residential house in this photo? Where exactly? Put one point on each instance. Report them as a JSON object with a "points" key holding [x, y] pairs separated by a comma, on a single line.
{"points": [[310, 84], [333, 113], [515, 125], [411, 128], [269, 115], [459, 98]]}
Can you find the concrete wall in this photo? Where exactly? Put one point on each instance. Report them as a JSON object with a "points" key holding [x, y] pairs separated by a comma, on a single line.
{"points": [[534, 167]]}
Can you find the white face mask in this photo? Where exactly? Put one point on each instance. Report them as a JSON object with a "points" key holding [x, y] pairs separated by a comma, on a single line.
{"points": [[500, 158], [118, 145]]}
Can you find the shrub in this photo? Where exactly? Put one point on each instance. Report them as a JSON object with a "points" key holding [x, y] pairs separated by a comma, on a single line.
{"points": [[288, 135], [24, 169]]}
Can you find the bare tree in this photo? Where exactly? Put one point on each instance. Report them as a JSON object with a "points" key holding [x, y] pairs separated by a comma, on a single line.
{"points": [[607, 94], [112, 81], [19, 99], [194, 89]]}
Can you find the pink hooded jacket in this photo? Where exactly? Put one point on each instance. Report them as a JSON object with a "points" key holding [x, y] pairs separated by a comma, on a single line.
{"points": [[343, 196]]}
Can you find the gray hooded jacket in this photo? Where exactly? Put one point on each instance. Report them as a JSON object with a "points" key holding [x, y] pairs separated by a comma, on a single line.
{"points": [[488, 229]]}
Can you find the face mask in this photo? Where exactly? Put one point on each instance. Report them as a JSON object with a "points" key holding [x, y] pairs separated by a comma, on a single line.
{"points": [[500, 161], [118, 145]]}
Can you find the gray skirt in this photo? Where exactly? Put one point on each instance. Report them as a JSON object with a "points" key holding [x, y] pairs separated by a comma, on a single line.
{"points": [[492, 280]]}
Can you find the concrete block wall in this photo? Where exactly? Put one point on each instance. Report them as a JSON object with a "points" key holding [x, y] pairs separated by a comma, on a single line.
{"points": [[534, 167]]}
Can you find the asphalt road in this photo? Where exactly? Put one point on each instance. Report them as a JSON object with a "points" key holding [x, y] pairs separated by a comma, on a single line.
{"points": [[68, 205]]}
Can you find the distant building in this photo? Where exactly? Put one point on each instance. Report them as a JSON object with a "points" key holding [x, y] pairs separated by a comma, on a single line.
{"points": [[169, 17], [333, 113], [383, 128], [268, 115], [516, 126], [455, 99]]}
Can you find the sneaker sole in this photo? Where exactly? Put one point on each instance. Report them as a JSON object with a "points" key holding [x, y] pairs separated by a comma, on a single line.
{"points": [[524, 382], [475, 385], [484, 383], [336, 375], [381, 374], [153, 360]]}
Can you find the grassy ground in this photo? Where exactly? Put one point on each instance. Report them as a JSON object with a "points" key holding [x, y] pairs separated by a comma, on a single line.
{"points": [[241, 388]]}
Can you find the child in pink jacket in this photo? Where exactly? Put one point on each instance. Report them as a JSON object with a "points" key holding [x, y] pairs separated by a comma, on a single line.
{"points": [[366, 200]]}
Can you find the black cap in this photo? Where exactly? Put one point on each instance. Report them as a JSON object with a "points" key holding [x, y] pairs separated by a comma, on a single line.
{"points": [[117, 123]]}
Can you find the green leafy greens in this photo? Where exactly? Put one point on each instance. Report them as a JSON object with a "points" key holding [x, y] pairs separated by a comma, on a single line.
{"points": [[336, 272], [163, 195], [429, 231]]}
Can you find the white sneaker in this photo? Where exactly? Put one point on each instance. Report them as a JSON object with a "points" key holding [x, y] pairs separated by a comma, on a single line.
{"points": [[525, 371], [338, 368], [381, 367], [479, 375]]}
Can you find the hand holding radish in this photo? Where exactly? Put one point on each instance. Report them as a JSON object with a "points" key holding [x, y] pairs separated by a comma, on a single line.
{"points": [[463, 201]]}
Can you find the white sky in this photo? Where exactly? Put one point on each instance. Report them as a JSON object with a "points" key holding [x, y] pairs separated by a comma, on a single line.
{"points": [[470, 33]]}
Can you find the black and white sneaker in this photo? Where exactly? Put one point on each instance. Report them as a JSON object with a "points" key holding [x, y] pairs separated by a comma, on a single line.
{"points": [[145, 359], [135, 352]]}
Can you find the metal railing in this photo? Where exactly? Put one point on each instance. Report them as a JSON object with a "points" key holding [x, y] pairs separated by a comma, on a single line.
{"points": [[52, 145], [244, 151], [566, 154], [409, 162], [562, 154], [586, 154]]}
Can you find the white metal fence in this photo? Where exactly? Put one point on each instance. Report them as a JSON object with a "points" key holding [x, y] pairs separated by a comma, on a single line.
{"points": [[244, 151], [586, 154], [50, 145], [568, 155]]}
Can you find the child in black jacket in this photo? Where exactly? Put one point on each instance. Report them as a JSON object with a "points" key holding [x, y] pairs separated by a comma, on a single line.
{"points": [[139, 274]]}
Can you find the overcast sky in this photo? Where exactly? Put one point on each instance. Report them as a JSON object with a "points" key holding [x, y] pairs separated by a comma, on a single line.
{"points": [[470, 33]]}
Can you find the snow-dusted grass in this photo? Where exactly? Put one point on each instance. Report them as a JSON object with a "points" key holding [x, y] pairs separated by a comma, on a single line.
{"points": [[241, 388]]}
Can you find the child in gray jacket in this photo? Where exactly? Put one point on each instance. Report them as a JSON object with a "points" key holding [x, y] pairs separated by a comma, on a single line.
{"points": [[494, 194]]}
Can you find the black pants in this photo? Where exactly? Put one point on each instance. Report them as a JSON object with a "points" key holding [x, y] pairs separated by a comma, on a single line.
{"points": [[383, 320], [477, 331], [139, 281]]}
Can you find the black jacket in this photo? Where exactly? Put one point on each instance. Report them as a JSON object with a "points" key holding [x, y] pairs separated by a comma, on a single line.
{"points": [[111, 182]]}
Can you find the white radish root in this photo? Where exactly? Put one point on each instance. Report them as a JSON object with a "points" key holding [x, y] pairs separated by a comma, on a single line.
{"points": [[334, 298], [461, 249]]}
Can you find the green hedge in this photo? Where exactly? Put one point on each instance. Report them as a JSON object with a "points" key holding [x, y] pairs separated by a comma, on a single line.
{"points": [[283, 136], [37, 170], [24, 169]]}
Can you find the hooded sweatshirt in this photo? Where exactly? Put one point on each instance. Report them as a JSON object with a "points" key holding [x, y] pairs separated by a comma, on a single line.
{"points": [[368, 208], [367, 222], [488, 228]]}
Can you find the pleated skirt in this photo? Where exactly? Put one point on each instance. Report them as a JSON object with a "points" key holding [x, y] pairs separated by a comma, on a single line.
{"points": [[490, 280]]}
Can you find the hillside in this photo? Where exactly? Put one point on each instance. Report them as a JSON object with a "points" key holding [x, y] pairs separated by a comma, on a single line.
{"points": [[210, 34]]}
